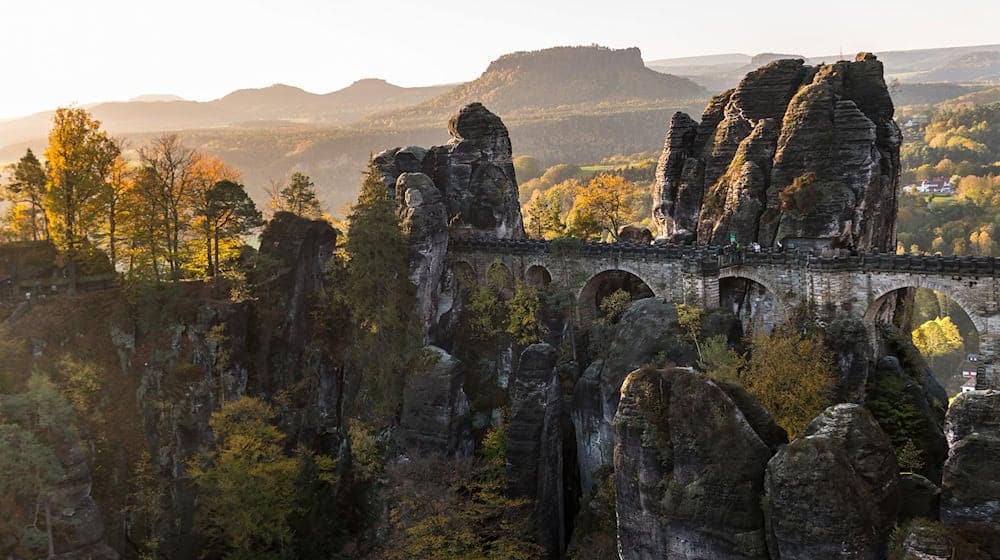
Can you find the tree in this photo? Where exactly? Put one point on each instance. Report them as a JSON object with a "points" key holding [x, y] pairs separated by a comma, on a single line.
{"points": [[523, 316], [298, 197], [604, 206], [792, 375], [80, 156], [28, 187], [378, 294], [119, 182], [37, 422], [169, 184], [228, 212], [246, 483], [689, 318]]}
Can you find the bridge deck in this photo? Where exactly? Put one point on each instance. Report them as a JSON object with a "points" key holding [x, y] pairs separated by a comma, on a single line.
{"points": [[725, 257]]}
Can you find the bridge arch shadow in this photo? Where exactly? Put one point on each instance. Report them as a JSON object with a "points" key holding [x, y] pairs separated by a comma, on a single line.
{"points": [[756, 306], [537, 276], [602, 285]]}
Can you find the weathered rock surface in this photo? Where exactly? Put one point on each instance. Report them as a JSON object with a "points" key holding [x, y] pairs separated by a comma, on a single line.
{"points": [[435, 416], [833, 492], [688, 470], [474, 173], [648, 328], [919, 497], [635, 234], [970, 485], [300, 247], [792, 152], [425, 226], [924, 543], [534, 443]]}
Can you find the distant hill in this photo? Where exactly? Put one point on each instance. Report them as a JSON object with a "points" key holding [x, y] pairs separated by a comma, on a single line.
{"points": [[264, 105], [980, 63], [156, 97], [576, 79]]}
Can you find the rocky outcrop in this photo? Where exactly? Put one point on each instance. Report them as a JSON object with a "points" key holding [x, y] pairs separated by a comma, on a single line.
{"points": [[648, 328], [833, 492], [295, 251], [425, 226], [474, 172], [970, 486], [534, 443], [792, 152], [435, 417], [465, 187], [688, 470]]}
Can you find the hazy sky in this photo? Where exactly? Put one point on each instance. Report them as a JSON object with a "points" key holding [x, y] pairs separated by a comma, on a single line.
{"points": [[79, 51]]}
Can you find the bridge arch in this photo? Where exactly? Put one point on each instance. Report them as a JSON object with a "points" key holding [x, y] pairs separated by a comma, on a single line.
{"points": [[890, 288], [463, 271], [602, 284], [537, 276]]}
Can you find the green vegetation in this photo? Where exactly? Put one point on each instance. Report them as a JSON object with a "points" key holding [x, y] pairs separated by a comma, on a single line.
{"points": [[298, 197], [248, 484], [378, 296], [34, 425]]}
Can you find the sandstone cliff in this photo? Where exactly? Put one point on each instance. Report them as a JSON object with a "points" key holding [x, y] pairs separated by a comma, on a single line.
{"points": [[793, 151]]}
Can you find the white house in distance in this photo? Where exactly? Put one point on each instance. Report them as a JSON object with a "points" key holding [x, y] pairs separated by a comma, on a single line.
{"points": [[969, 367], [936, 185]]}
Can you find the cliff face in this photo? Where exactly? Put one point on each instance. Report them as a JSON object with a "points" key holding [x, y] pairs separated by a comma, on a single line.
{"points": [[466, 186], [794, 151]]}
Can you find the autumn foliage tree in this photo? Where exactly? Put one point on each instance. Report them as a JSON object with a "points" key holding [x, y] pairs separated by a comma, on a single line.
{"points": [[79, 159], [605, 205], [229, 212], [792, 375]]}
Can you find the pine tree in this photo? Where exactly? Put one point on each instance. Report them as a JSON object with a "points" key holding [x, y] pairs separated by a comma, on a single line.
{"points": [[298, 197], [378, 294], [28, 188]]}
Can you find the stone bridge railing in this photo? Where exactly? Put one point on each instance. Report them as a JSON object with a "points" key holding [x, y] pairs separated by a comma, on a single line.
{"points": [[725, 257]]}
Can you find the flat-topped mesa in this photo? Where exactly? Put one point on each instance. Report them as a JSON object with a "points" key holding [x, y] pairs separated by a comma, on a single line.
{"points": [[474, 172], [793, 152]]}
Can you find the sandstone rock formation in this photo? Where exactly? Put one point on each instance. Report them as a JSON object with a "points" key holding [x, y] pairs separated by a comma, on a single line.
{"points": [[970, 485], [792, 152], [833, 492], [474, 173], [466, 187], [435, 416], [534, 443], [425, 225], [688, 470], [648, 328]]}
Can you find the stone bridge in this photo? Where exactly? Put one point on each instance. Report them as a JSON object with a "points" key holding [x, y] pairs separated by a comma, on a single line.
{"points": [[858, 285]]}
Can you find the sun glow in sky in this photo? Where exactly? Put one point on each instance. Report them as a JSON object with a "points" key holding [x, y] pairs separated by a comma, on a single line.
{"points": [[57, 52]]}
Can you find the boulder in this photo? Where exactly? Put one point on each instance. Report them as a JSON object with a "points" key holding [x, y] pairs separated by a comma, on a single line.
{"points": [[435, 417], [833, 492], [971, 485], [919, 498], [793, 151], [688, 470], [635, 234], [534, 443]]}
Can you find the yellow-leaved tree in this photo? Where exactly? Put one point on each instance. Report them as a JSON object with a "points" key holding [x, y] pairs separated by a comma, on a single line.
{"points": [[792, 375], [605, 205], [80, 157]]}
